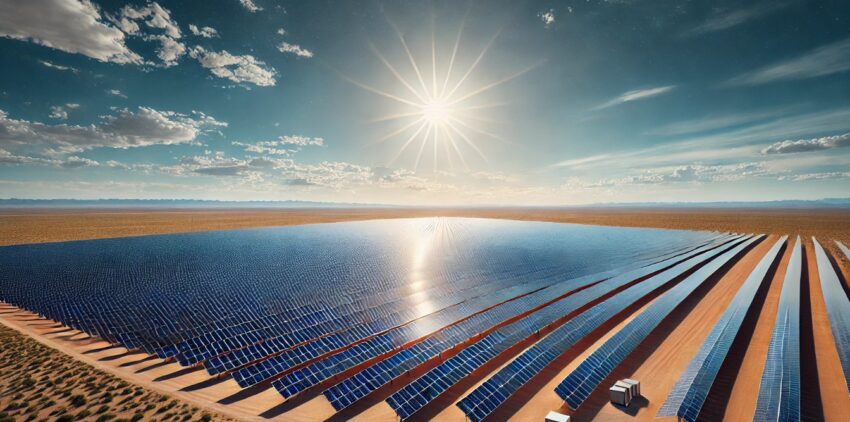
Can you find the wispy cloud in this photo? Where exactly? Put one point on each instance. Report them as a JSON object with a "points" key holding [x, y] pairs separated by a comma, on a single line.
{"points": [[638, 94], [732, 18], [250, 6], [295, 49], [807, 145], [59, 67], [822, 61], [712, 123]]}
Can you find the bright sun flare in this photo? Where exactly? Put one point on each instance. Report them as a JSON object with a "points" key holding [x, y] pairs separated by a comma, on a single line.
{"points": [[437, 109]]}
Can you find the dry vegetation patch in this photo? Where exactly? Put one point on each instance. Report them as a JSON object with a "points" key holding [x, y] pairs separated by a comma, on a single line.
{"points": [[38, 383]]}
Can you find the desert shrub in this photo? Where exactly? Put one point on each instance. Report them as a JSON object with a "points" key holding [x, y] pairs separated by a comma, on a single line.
{"points": [[137, 417], [105, 417], [206, 417], [83, 414], [102, 409], [78, 401], [66, 418]]}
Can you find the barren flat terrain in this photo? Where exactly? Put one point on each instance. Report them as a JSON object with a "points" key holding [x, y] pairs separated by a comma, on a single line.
{"points": [[658, 362], [19, 226]]}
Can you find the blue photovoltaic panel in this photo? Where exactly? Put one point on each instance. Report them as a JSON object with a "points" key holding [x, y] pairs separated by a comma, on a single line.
{"points": [[779, 391], [493, 392], [837, 308], [581, 382], [690, 391], [262, 304]]}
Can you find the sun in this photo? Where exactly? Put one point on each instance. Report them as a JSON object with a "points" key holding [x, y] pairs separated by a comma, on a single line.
{"points": [[437, 112], [438, 107]]}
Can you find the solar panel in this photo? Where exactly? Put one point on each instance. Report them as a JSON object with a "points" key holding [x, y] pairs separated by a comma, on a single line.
{"points": [[495, 390], [837, 308], [690, 391], [581, 382], [779, 390]]}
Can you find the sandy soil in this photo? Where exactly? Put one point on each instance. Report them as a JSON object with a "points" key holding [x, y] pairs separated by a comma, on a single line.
{"points": [[37, 382], [39, 225], [658, 363]]}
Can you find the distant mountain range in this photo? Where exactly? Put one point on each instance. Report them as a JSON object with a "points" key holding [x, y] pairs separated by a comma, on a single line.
{"points": [[199, 203]]}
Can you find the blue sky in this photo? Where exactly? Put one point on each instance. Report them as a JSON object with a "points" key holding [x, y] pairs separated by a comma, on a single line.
{"points": [[425, 102]]}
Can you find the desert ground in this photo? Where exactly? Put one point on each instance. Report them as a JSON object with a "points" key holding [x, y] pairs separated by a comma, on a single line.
{"points": [[658, 361]]}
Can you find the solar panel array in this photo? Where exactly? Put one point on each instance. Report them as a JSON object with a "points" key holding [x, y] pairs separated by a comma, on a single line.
{"points": [[298, 306], [689, 393], [837, 308], [419, 393], [500, 386], [779, 390], [578, 385]]}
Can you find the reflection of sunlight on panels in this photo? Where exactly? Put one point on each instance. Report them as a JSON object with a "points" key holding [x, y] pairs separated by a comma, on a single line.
{"points": [[418, 279]]}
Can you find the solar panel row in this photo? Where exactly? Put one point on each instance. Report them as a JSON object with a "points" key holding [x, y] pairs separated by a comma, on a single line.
{"points": [[837, 307], [493, 392], [688, 395], [779, 390], [581, 382]]}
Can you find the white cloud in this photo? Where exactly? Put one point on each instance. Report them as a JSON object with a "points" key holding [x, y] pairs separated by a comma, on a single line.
{"points": [[235, 68], [286, 47], [73, 26], [817, 176], [115, 93], [690, 173], [548, 18], [59, 67], [250, 6], [281, 31], [61, 112], [806, 145], [205, 32], [126, 129], [153, 16], [7, 158], [729, 19], [638, 94], [276, 147], [822, 61]]}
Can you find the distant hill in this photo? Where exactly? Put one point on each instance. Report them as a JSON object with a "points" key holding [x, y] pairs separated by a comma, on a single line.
{"points": [[172, 203], [200, 203], [788, 203]]}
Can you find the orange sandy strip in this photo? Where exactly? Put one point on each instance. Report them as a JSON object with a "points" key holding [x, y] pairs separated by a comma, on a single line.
{"points": [[742, 400], [833, 388]]}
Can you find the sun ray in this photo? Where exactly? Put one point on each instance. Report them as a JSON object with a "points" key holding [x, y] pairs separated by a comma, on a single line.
{"points": [[410, 57], [408, 142], [493, 85], [422, 146], [454, 52], [475, 63], [396, 116], [433, 60], [381, 93], [400, 130], [398, 75], [468, 141], [454, 145], [475, 129]]}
